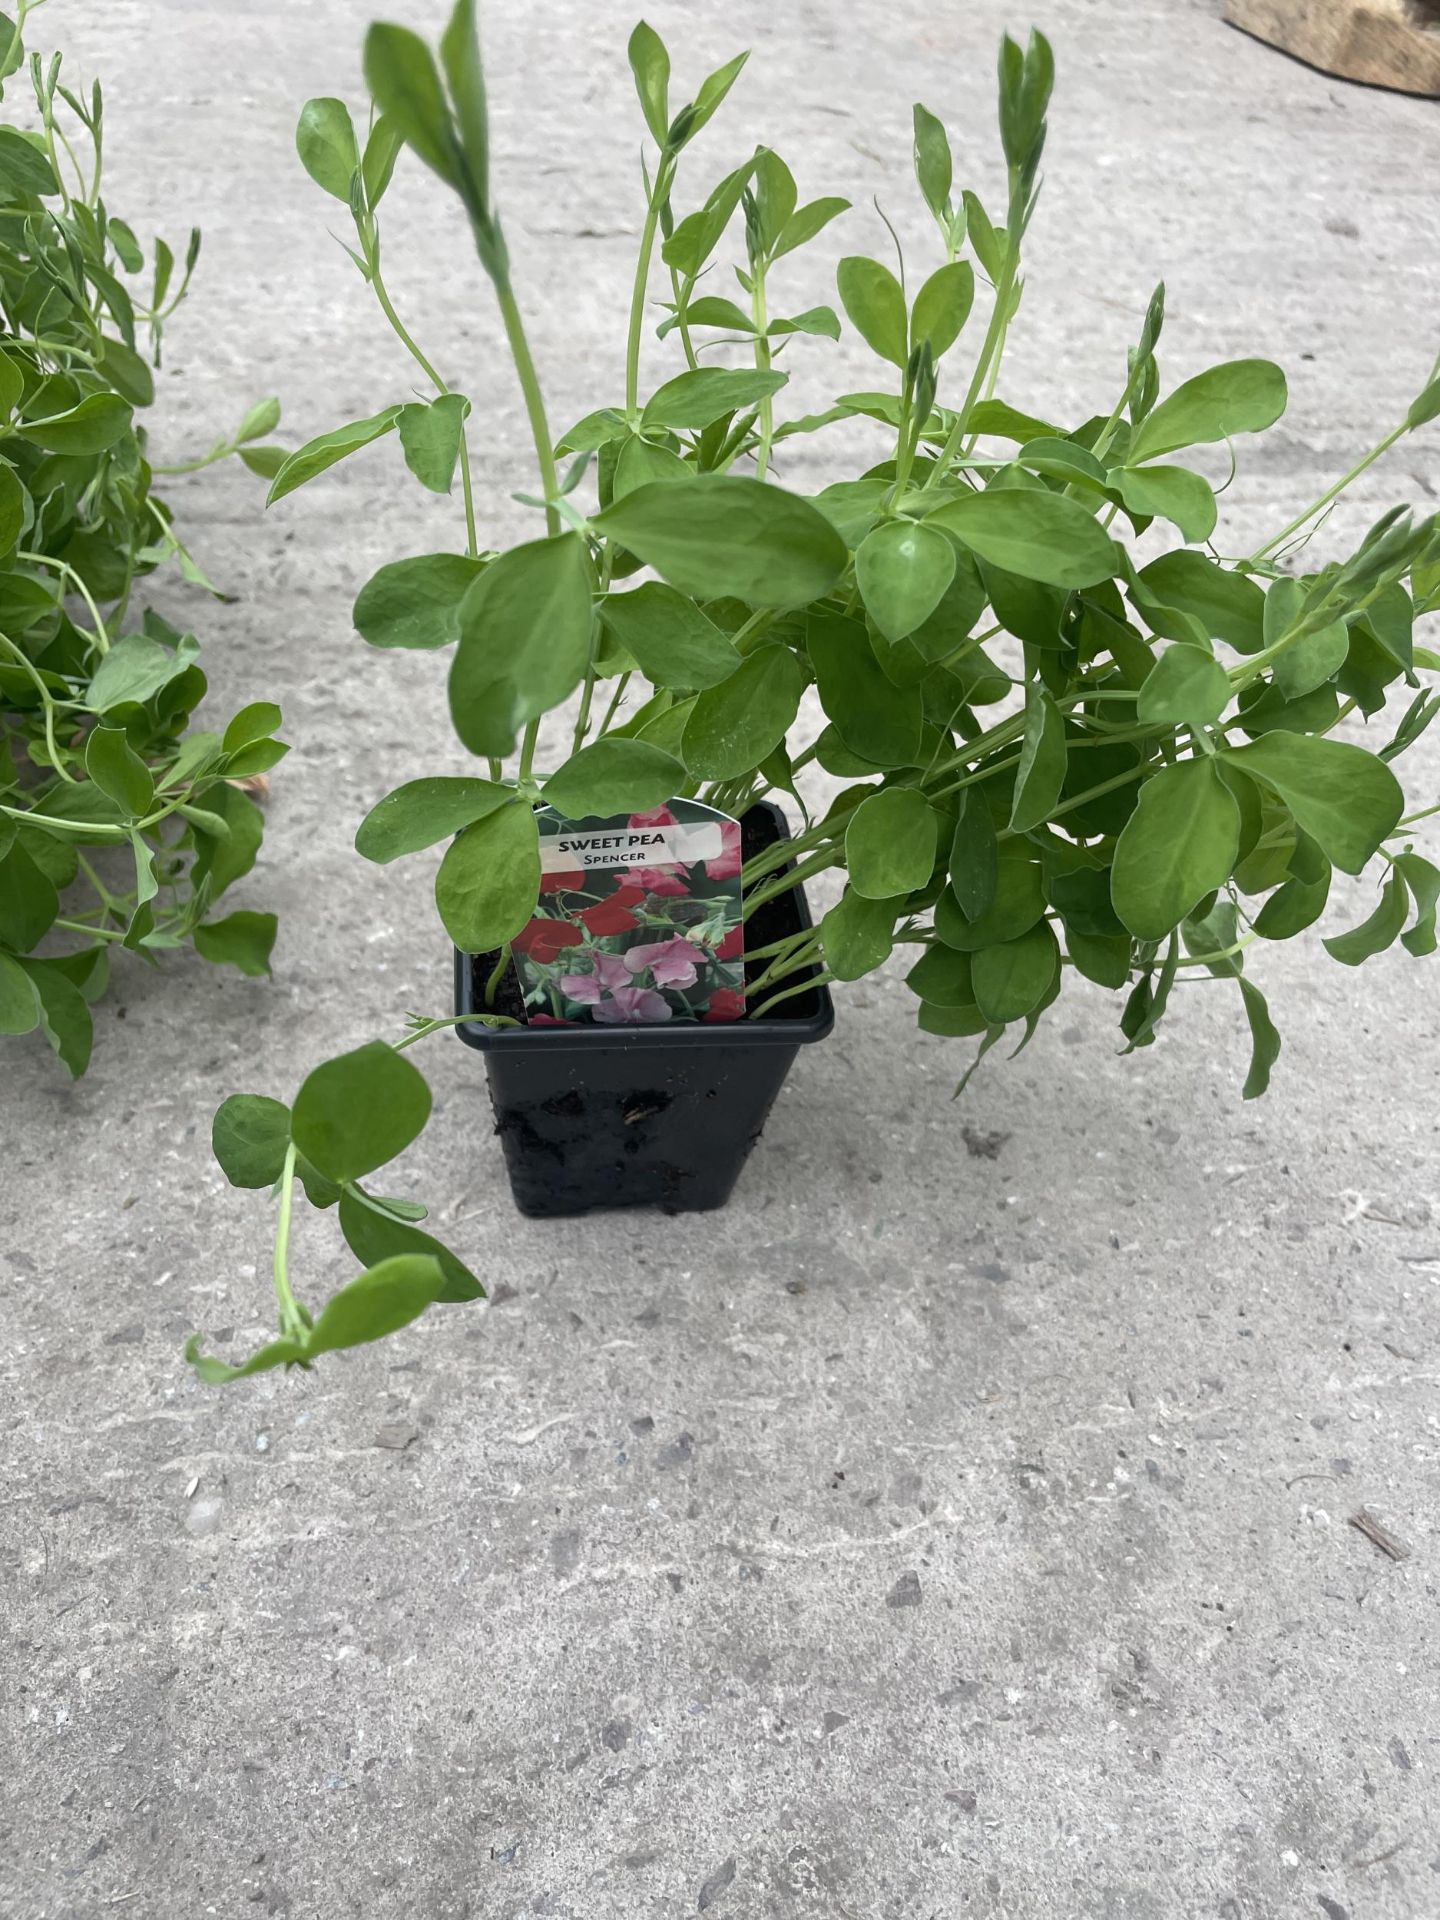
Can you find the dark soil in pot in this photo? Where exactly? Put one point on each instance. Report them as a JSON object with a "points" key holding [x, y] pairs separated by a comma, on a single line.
{"points": [[641, 1116]]}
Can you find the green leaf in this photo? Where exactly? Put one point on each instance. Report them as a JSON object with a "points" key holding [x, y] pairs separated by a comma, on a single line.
{"points": [[890, 843], [1012, 979], [215, 1373], [97, 422], [711, 310], [260, 421], [423, 812], [713, 90], [650, 64], [382, 150], [733, 726], [1381, 930], [1103, 958], [696, 399], [723, 536], [380, 1302], [127, 372], [614, 776], [28, 901], [224, 859], [1018, 902], [1345, 798], [64, 1016], [404, 81], [671, 641], [1187, 686], [24, 169], [19, 1005], [358, 1111], [1423, 879], [1040, 536], [943, 305], [974, 854], [876, 719], [819, 321], [875, 303], [255, 722], [951, 1023], [416, 602], [1176, 494], [1265, 1042], [524, 639], [242, 940], [1229, 606], [640, 462], [859, 934], [943, 977], [325, 141], [993, 418], [1424, 407], [14, 504], [133, 672], [489, 880], [933, 165], [902, 570], [464, 71], [122, 238], [1311, 660], [264, 461], [989, 243], [119, 771], [430, 435], [373, 1235], [1179, 844], [1043, 762], [250, 1134], [802, 227], [316, 456], [1301, 900], [1242, 396]]}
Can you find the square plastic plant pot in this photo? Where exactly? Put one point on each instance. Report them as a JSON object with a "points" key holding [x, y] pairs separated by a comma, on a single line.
{"points": [[661, 1116]]}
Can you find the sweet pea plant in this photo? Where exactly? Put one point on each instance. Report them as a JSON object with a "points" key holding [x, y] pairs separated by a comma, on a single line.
{"points": [[96, 763], [1081, 733]]}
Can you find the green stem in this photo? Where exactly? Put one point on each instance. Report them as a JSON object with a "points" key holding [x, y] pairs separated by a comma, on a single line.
{"points": [[63, 567], [97, 830], [195, 466], [682, 324], [47, 706], [614, 706], [90, 933], [387, 307], [762, 365], [492, 985], [658, 192], [805, 870], [292, 1323], [1331, 493], [534, 401], [823, 979], [990, 352]]}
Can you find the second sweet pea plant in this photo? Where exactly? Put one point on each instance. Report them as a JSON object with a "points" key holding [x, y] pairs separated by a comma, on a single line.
{"points": [[1081, 731]]}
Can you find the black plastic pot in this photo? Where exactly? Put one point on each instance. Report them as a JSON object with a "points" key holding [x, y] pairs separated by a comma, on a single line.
{"points": [[660, 1116]]}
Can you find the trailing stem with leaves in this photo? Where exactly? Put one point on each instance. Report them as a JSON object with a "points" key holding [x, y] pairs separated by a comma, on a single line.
{"points": [[1081, 731], [119, 826]]}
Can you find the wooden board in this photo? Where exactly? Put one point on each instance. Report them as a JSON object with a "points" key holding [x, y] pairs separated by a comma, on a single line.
{"points": [[1386, 43]]}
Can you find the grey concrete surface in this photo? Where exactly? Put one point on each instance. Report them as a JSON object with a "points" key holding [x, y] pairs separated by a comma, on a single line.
{"points": [[956, 1524]]}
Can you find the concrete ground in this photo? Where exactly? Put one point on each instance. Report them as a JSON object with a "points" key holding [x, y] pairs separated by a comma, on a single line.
{"points": [[958, 1522]]}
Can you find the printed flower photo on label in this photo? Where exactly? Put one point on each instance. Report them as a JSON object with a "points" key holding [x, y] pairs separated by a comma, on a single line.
{"points": [[638, 922]]}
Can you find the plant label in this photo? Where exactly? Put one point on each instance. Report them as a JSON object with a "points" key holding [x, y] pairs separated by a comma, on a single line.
{"points": [[638, 920]]}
